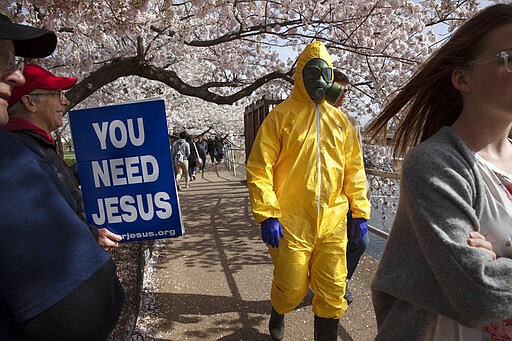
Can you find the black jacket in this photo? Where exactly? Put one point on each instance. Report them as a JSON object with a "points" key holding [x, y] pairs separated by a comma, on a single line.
{"points": [[46, 149]]}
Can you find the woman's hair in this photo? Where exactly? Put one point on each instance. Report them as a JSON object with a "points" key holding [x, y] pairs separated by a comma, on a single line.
{"points": [[429, 101]]}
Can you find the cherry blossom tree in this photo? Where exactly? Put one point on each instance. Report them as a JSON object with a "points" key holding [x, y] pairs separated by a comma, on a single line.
{"points": [[209, 58]]}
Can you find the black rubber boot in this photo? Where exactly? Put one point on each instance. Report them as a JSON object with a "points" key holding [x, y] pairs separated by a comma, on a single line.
{"points": [[326, 329], [276, 325]]}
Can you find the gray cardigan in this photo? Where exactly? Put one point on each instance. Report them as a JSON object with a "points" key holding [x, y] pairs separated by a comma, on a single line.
{"points": [[427, 267]]}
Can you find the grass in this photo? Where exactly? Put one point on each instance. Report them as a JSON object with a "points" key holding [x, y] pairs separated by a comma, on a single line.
{"points": [[69, 158]]}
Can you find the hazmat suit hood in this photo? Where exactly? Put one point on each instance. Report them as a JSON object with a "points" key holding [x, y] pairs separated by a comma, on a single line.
{"points": [[311, 51]]}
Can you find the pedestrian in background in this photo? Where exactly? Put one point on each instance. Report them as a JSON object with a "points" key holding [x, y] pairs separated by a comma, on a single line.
{"points": [[446, 270], [304, 170], [357, 244], [211, 149], [218, 145], [181, 153], [194, 161], [202, 149]]}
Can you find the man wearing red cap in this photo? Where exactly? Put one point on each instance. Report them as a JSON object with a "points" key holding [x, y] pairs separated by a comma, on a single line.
{"points": [[35, 110], [56, 283]]}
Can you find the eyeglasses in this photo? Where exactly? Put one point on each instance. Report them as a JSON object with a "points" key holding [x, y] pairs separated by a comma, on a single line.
{"points": [[60, 93], [8, 61], [314, 72], [502, 57]]}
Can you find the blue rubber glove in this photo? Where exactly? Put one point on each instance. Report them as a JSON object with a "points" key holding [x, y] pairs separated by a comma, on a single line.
{"points": [[271, 231], [358, 229]]}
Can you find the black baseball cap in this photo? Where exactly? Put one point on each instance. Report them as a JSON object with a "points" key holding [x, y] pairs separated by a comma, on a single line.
{"points": [[31, 42]]}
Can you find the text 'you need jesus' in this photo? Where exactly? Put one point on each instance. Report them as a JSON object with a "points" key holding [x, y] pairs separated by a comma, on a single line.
{"points": [[126, 171]]}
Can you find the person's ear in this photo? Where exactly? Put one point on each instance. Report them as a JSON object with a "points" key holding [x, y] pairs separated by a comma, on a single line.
{"points": [[459, 80], [29, 103]]}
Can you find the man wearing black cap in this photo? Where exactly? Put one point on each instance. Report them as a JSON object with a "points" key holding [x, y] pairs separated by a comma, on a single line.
{"points": [[35, 110], [55, 282]]}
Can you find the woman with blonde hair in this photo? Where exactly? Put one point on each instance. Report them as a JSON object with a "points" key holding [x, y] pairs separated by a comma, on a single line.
{"points": [[446, 271]]}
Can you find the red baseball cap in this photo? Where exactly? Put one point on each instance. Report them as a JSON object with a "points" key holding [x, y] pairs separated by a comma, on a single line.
{"points": [[39, 78]]}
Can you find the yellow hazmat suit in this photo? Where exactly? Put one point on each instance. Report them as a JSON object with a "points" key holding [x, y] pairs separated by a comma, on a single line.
{"points": [[305, 168]]}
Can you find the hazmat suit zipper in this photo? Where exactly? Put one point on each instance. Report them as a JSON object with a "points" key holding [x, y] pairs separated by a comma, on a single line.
{"points": [[319, 161]]}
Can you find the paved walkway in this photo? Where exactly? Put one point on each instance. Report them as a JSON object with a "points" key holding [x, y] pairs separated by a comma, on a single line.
{"points": [[214, 282]]}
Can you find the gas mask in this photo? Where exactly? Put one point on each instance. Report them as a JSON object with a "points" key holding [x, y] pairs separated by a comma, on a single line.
{"points": [[335, 93], [318, 81]]}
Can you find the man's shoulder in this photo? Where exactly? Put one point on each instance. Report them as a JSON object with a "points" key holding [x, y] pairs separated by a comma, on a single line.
{"points": [[8, 140], [13, 153], [34, 141]]}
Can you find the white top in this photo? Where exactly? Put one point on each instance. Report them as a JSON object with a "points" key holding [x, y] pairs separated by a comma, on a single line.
{"points": [[496, 225]]}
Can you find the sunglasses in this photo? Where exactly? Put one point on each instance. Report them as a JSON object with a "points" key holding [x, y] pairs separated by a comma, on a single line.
{"points": [[60, 93], [314, 72], [502, 57], [8, 61]]}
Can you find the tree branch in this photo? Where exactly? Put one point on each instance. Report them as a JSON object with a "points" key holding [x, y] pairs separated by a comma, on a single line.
{"points": [[132, 66]]}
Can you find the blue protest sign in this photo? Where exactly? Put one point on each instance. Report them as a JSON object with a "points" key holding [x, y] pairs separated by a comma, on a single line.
{"points": [[125, 166]]}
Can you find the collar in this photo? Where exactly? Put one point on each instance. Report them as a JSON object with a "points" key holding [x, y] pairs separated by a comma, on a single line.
{"points": [[21, 124]]}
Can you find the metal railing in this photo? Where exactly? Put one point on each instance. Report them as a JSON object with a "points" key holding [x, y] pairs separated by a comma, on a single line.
{"points": [[378, 231], [235, 160]]}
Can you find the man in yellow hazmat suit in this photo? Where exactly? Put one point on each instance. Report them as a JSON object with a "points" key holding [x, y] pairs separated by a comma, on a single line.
{"points": [[304, 170]]}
